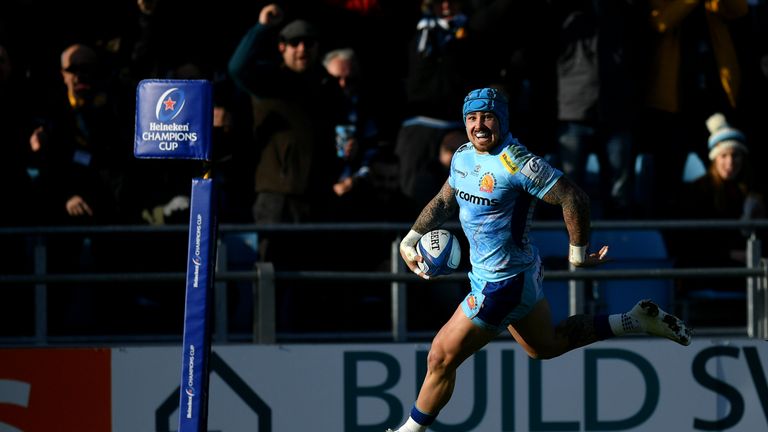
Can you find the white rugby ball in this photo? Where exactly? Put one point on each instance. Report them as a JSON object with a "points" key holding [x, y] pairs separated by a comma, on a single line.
{"points": [[441, 252]]}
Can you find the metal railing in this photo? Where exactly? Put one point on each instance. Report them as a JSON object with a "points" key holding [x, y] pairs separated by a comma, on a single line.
{"points": [[264, 275]]}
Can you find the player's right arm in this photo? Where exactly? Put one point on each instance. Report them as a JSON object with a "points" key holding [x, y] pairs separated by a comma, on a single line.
{"points": [[437, 211]]}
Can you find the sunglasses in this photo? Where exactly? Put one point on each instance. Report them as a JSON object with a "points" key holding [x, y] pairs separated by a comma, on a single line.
{"points": [[307, 41]]}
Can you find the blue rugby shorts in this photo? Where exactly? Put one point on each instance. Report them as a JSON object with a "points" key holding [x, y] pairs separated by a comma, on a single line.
{"points": [[495, 305]]}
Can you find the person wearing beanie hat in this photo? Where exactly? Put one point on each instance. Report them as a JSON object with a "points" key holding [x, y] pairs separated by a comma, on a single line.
{"points": [[494, 181], [726, 148], [726, 191], [723, 136]]}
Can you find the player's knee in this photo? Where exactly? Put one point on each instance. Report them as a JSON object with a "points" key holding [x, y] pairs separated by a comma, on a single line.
{"points": [[439, 360]]}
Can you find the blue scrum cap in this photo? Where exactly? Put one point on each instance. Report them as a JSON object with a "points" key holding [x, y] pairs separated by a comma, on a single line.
{"points": [[488, 99]]}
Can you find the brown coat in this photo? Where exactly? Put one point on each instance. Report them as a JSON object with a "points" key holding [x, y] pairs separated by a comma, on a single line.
{"points": [[286, 132], [666, 18]]}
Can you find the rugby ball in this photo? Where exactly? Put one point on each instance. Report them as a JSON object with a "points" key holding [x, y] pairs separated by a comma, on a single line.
{"points": [[441, 252]]}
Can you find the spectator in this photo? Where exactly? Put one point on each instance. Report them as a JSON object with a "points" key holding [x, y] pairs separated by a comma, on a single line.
{"points": [[597, 96], [296, 106], [87, 145], [694, 70], [448, 146], [358, 138], [437, 79], [725, 191]]}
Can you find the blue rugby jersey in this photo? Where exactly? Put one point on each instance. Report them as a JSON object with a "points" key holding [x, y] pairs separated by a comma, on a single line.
{"points": [[497, 193]]}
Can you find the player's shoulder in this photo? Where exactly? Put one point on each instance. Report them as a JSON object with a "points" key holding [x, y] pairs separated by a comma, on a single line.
{"points": [[525, 166], [513, 155], [464, 147], [462, 154]]}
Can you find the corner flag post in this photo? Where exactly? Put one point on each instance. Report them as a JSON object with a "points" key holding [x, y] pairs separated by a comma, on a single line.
{"points": [[174, 119]]}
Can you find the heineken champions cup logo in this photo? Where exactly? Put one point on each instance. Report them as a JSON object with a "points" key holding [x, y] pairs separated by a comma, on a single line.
{"points": [[173, 119], [170, 104]]}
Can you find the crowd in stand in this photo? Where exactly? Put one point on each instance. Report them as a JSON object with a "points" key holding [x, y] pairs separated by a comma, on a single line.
{"points": [[345, 110]]}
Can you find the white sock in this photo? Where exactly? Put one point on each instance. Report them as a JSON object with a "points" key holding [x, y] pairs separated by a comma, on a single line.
{"points": [[624, 324], [412, 426]]}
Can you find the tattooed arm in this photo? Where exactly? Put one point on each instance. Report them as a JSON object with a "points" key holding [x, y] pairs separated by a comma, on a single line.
{"points": [[442, 206], [575, 204], [432, 216]]}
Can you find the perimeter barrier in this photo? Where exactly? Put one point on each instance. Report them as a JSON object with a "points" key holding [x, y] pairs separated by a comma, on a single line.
{"points": [[264, 277]]}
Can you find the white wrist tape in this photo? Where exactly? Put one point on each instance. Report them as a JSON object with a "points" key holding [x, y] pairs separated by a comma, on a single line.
{"points": [[577, 254], [408, 244]]}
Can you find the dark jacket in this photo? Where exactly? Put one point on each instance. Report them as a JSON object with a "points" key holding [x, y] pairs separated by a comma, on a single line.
{"points": [[294, 117]]}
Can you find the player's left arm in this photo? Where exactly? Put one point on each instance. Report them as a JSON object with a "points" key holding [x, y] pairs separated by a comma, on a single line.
{"points": [[576, 215]]}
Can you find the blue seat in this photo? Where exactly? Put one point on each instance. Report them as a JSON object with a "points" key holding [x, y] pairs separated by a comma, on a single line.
{"points": [[632, 249], [242, 249], [694, 168], [592, 175], [643, 181]]}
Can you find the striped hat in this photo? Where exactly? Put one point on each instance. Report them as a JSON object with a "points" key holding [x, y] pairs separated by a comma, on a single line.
{"points": [[488, 99], [723, 136]]}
